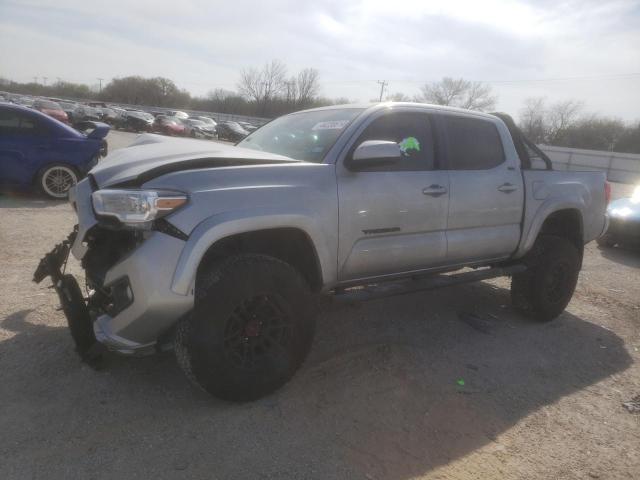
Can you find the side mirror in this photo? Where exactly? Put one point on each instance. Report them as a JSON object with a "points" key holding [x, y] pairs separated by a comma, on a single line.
{"points": [[374, 152]]}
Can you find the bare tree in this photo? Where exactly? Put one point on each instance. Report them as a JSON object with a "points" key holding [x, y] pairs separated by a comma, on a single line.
{"points": [[532, 119], [273, 75], [560, 116], [291, 91], [307, 86], [262, 86], [458, 92], [220, 94], [398, 97], [553, 125]]}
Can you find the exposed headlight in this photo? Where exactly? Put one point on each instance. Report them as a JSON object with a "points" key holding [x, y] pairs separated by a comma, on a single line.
{"points": [[136, 208]]}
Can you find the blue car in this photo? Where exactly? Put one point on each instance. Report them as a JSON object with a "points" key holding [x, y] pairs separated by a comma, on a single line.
{"points": [[39, 151]]}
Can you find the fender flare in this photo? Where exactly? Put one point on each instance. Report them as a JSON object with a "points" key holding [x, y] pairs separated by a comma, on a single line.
{"points": [[548, 208], [218, 227]]}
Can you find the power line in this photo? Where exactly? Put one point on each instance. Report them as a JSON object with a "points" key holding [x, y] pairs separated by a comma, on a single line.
{"points": [[522, 80]]}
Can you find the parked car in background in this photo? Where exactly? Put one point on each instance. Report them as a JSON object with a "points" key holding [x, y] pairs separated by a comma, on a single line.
{"points": [[86, 113], [53, 109], [39, 151], [199, 129], [108, 115], [69, 108], [231, 131], [248, 127], [121, 115], [624, 222], [137, 121], [179, 114], [207, 120], [24, 100], [169, 125], [97, 104]]}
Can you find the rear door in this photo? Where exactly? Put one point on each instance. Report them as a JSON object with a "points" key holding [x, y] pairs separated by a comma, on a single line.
{"points": [[392, 218], [486, 191]]}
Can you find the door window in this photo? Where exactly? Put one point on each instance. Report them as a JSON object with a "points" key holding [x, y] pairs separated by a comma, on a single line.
{"points": [[412, 132], [472, 144]]}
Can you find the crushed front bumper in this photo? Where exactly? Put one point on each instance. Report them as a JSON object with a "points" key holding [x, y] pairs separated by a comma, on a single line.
{"points": [[130, 304]]}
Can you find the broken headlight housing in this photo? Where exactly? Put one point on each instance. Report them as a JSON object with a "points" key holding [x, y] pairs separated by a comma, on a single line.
{"points": [[136, 208]]}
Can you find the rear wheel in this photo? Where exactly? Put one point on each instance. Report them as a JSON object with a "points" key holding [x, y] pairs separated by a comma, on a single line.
{"points": [[250, 330], [56, 180], [545, 289]]}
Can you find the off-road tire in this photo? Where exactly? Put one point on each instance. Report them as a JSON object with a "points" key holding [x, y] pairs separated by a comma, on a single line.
{"points": [[546, 288], [250, 330]]}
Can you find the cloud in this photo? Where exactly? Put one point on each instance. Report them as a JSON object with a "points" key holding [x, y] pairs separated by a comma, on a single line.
{"points": [[203, 44]]}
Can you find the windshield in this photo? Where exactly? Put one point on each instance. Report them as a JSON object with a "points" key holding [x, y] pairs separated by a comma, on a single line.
{"points": [[304, 136]]}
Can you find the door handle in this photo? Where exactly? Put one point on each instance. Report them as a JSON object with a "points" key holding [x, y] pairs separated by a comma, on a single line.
{"points": [[434, 190], [507, 188]]}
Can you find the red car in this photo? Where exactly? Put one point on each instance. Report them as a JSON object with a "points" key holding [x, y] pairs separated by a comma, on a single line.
{"points": [[52, 109], [171, 126]]}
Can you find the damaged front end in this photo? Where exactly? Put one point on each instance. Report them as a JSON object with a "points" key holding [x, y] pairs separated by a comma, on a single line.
{"points": [[129, 254], [72, 301]]}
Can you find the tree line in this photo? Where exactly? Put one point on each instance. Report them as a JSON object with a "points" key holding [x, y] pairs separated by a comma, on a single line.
{"points": [[270, 91]]}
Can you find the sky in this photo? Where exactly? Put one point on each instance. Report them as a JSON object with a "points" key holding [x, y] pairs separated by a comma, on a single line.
{"points": [[580, 50]]}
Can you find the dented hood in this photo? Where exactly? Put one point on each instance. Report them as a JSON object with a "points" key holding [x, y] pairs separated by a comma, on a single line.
{"points": [[150, 156]]}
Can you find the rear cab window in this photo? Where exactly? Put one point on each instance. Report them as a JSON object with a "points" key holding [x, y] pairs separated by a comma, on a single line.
{"points": [[472, 143]]}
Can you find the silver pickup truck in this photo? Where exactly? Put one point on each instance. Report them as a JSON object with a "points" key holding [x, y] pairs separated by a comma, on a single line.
{"points": [[216, 250]]}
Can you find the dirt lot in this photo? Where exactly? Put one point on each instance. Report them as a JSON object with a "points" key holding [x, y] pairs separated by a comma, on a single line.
{"points": [[396, 389]]}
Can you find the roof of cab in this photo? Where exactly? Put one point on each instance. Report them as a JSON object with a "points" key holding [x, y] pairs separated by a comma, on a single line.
{"points": [[381, 105]]}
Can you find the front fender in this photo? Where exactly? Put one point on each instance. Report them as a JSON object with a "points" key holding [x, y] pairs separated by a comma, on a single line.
{"points": [[224, 225]]}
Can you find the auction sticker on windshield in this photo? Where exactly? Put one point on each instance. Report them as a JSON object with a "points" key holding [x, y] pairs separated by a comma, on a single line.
{"points": [[330, 125]]}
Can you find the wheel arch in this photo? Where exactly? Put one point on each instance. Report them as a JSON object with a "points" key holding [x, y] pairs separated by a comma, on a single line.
{"points": [[291, 238], [564, 221], [292, 245]]}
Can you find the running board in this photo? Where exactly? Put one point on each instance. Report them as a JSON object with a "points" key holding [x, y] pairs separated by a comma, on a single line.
{"points": [[418, 284]]}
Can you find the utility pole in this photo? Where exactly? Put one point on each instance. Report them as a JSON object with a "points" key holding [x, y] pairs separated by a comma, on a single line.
{"points": [[35, 79], [100, 80], [45, 80], [382, 84]]}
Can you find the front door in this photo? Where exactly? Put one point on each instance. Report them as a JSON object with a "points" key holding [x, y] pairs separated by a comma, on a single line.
{"points": [[393, 217]]}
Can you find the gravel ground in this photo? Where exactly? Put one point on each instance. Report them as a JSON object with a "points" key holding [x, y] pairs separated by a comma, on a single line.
{"points": [[396, 388]]}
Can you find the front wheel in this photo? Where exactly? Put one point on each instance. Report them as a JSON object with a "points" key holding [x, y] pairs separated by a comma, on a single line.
{"points": [[250, 330], [56, 180], [545, 289]]}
